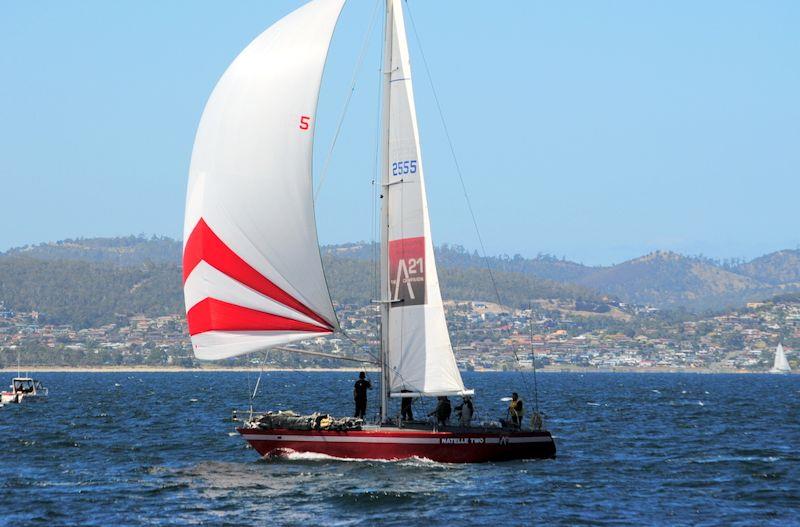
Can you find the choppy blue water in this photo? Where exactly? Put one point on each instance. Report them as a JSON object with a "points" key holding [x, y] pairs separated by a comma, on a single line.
{"points": [[633, 449]]}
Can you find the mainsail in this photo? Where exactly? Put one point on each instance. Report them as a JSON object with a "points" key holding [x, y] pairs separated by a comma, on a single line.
{"points": [[418, 355], [781, 365], [252, 270]]}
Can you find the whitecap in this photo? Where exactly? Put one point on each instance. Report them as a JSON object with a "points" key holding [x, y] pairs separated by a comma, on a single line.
{"points": [[291, 455]]}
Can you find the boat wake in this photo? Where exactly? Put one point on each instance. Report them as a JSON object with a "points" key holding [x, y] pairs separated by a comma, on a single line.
{"points": [[291, 455]]}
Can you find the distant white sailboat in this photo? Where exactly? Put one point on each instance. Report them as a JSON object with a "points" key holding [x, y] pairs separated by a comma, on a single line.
{"points": [[781, 365]]}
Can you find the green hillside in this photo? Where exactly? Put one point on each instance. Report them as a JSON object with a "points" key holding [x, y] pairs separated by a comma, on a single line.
{"points": [[88, 281], [124, 250], [352, 281], [780, 267], [670, 280], [87, 294]]}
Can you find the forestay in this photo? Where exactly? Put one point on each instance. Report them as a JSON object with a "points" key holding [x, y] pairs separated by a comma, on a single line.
{"points": [[419, 356], [252, 270]]}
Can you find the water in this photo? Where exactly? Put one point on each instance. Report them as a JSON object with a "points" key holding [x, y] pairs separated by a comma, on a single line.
{"points": [[633, 449]]}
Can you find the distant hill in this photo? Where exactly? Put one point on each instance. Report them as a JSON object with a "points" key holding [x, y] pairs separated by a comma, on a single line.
{"points": [[352, 281], [662, 279], [123, 251], [543, 266], [85, 280], [87, 294], [781, 267], [667, 279], [88, 283]]}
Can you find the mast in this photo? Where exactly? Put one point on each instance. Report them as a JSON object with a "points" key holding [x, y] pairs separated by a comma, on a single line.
{"points": [[385, 297], [416, 352]]}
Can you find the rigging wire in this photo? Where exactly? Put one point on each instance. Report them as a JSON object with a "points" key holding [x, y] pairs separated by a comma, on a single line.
{"points": [[376, 175], [258, 382], [249, 395], [357, 345], [260, 373], [533, 361], [461, 181], [357, 69], [343, 114]]}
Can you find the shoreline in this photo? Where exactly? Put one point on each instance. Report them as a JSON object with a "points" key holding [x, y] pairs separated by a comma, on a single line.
{"points": [[222, 369]]}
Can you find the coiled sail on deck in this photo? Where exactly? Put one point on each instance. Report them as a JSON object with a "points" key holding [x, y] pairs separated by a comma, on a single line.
{"points": [[252, 269], [420, 356]]}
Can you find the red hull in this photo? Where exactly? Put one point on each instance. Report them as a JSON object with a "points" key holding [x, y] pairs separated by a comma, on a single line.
{"points": [[396, 443]]}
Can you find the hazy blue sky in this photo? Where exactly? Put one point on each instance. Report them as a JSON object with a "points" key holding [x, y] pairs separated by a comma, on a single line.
{"points": [[596, 130]]}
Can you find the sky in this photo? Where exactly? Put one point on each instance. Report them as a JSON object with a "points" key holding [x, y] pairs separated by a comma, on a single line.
{"points": [[598, 131]]}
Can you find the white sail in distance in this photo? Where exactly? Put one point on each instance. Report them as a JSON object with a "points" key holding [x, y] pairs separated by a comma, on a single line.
{"points": [[781, 365], [252, 269], [419, 357]]}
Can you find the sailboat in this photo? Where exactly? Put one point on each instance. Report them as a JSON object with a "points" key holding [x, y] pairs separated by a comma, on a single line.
{"points": [[781, 365], [252, 267]]}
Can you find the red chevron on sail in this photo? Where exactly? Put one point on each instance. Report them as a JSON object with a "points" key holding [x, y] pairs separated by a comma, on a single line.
{"points": [[204, 245], [215, 315]]}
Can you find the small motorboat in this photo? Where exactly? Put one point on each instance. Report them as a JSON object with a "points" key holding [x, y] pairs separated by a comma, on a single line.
{"points": [[24, 388]]}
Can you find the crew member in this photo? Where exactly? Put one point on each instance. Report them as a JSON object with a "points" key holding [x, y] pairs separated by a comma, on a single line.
{"points": [[515, 410], [405, 407], [360, 394], [465, 410], [442, 411]]}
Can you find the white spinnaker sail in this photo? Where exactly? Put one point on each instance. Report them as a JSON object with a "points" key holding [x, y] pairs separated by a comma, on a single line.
{"points": [[252, 270], [419, 356], [780, 364]]}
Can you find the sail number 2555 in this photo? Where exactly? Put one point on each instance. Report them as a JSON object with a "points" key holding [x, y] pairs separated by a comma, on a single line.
{"points": [[404, 167]]}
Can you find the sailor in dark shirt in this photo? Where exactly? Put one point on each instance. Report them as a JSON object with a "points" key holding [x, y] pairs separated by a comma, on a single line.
{"points": [[360, 394], [405, 407], [442, 411]]}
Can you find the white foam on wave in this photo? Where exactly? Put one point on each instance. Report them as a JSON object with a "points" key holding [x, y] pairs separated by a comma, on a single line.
{"points": [[727, 459], [291, 455], [307, 456]]}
